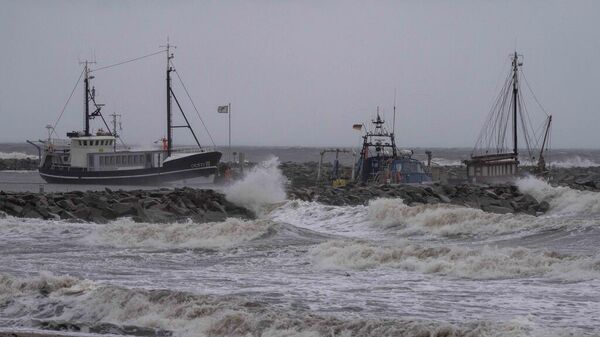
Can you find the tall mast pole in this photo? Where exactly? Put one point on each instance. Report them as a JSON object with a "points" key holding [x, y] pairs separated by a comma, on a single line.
{"points": [[86, 99], [515, 65], [394, 127], [229, 113], [394, 121], [169, 127]]}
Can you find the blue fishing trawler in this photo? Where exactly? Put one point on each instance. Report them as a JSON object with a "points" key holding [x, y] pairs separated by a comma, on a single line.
{"points": [[380, 161]]}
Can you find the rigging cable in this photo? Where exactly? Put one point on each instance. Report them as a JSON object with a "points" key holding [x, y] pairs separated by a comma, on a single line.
{"points": [[131, 60], [194, 105], [67, 103], [533, 94]]}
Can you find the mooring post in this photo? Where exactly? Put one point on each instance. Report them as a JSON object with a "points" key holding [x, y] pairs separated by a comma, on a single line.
{"points": [[319, 168], [353, 165]]}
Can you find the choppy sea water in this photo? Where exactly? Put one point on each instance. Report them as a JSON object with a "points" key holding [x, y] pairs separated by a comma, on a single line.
{"points": [[307, 269], [443, 156]]}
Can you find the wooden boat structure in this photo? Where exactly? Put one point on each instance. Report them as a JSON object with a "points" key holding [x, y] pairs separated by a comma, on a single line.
{"points": [[494, 157]]}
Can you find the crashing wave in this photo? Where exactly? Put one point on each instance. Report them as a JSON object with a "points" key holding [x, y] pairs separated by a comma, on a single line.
{"points": [[562, 199], [336, 220], [212, 235], [67, 303], [392, 215], [263, 185], [443, 219], [473, 263]]}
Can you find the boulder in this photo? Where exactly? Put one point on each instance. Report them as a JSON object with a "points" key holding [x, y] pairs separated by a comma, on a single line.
{"points": [[497, 209], [67, 204]]}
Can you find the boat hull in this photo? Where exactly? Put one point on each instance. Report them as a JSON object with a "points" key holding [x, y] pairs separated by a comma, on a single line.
{"points": [[200, 165]]}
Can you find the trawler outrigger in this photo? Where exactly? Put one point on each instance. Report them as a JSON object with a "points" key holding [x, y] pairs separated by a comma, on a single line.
{"points": [[93, 158], [380, 161]]}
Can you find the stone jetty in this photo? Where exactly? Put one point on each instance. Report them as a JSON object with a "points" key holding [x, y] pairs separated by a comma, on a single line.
{"points": [[503, 198], [579, 178], [19, 164], [158, 206]]}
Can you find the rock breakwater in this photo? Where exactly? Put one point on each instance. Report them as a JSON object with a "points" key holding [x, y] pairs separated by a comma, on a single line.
{"points": [[579, 178], [19, 164], [501, 199], [156, 206]]}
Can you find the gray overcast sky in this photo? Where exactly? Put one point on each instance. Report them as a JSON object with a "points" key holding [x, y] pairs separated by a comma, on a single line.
{"points": [[302, 72]]}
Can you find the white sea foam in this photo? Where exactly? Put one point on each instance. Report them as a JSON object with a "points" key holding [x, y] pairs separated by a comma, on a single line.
{"points": [[16, 155], [483, 262], [446, 162], [88, 305], [562, 199], [337, 220], [385, 216], [212, 235], [263, 185], [443, 219], [575, 161]]}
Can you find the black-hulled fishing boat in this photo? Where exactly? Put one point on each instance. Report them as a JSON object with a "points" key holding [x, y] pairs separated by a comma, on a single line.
{"points": [[380, 161], [88, 157]]}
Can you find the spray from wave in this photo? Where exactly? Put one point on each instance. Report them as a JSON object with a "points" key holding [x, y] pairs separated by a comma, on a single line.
{"points": [[263, 185], [70, 304], [562, 200], [575, 161], [472, 263]]}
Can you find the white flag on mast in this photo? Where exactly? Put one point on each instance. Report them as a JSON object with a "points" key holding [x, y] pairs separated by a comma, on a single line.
{"points": [[223, 109]]}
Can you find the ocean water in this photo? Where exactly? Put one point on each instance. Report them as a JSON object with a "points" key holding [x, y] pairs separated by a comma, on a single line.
{"points": [[441, 155], [307, 269]]}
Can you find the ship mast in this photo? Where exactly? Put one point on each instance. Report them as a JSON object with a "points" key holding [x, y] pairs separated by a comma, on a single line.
{"points": [[515, 68], [169, 114], [86, 96]]}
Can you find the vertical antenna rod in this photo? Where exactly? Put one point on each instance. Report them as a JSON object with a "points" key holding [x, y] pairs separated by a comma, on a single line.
{"points": [[86, 95], [515, 65], [169, 121], [86, 98], [394, 121]]}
